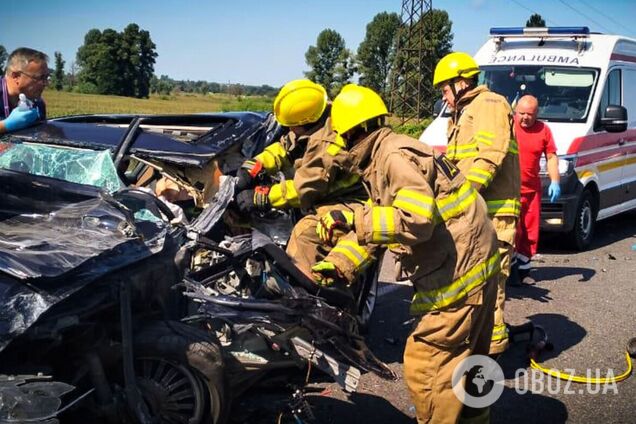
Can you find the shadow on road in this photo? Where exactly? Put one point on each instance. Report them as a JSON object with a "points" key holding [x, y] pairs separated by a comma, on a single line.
{"points": [[359, 408], [537, 293], [607, 232], [528, 408], [517, 403], [562, 332], [391, 324], [551, 273], [548, 273]]}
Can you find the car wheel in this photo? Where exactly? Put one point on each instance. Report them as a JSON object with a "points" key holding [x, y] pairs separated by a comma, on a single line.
{"points": [[582, 234], [173, 393], [179, 371]]}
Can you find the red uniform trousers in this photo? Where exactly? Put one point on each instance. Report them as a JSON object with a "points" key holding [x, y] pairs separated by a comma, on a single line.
{"points": [[527, 237]]}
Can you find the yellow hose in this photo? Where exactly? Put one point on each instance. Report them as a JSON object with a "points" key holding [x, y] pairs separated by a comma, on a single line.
{"points": [[581, 379]]}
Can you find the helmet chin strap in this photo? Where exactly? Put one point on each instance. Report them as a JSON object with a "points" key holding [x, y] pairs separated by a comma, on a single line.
{"points": [[458, 94]]}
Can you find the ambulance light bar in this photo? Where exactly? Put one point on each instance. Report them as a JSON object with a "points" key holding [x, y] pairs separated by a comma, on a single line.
{"points": [[541, 32]]}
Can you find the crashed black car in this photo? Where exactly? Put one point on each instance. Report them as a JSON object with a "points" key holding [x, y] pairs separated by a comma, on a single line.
{"points": [[153, 311]]}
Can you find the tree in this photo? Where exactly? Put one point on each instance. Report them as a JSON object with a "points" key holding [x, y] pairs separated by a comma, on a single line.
{"points": [[99, 62], [58, 74], [3, 58], [376, 53], [235, 90], [117, 63], [71, 77], [535, 21], [146, 66], [161, 85], [330, 62]]}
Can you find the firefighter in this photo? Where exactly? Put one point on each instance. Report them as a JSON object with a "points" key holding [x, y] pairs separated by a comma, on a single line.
{"points": [[482, 146], [316, 167], [424, 210]]}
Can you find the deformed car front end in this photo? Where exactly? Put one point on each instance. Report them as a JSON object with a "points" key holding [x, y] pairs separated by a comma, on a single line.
{"points": [[88, 259], [95, 260]]}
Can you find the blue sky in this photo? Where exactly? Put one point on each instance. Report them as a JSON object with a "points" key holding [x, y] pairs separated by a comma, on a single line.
{"points": [[264, 42]]}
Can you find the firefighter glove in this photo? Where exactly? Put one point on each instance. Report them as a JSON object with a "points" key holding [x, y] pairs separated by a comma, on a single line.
{"points": [[253, 199], [326, 274], [19, 119], [248, 173], [334, 224], [554, 191]]}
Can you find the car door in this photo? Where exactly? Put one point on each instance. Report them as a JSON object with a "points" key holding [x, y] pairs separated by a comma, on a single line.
{"points": [[611, 154]]}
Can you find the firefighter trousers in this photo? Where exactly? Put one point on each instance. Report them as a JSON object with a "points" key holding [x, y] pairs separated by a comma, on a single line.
{"points": [[505, 226], [440, 341]]}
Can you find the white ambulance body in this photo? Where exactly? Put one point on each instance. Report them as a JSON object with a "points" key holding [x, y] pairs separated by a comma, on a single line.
{"points": [[586, 87]]}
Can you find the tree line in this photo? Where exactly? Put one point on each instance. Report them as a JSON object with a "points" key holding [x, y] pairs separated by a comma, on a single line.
{"points": [[333, 65], [166, 85], [122, 63]]}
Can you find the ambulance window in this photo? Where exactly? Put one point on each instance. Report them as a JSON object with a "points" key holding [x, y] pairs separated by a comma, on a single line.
{"points": [[564, 93], [612, 92]]}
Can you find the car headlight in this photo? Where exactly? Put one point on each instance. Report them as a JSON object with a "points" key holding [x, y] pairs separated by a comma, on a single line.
{"points": [[566, 166]]}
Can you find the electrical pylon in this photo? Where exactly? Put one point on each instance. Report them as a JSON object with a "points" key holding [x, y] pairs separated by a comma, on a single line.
{"points": [[412, 96]]}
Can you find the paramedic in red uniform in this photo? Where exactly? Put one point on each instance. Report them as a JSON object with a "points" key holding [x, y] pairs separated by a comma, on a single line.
{"points": [[534, 139]]}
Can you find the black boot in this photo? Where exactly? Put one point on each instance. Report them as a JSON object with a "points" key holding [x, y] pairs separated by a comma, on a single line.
{"points": [[513, 279]]}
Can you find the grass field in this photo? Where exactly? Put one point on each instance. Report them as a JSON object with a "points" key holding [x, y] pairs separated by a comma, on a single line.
{"points": [[60, 103]]}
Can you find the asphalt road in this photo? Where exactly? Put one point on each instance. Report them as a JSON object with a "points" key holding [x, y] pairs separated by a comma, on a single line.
{"points": [[585, 301]]}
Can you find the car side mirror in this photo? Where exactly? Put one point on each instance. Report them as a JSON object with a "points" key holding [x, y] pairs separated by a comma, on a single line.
{"points": [[614, 119], [437, 107]]}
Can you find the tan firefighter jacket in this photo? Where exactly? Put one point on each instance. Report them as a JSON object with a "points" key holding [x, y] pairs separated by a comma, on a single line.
{"points": [[423, 209], [482, 145], [317, 166]]}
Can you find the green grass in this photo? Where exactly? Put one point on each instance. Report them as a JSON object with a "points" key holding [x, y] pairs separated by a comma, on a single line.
{"points": [[413, 129], [61, 103]]}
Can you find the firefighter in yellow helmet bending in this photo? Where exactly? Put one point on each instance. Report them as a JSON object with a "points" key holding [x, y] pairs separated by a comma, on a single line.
{"points": [[425, 211], [317, 169], [482, 145]]}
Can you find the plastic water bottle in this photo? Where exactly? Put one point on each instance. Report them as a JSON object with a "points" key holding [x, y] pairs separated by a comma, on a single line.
{"points": [[24, 103]]}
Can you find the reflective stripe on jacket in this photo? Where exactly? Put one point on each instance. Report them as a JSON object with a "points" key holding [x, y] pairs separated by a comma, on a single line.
{"points": [[482, 145], [420, 200]]}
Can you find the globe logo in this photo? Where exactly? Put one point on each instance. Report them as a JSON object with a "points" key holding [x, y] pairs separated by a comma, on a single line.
{"points": [[478, 381]]}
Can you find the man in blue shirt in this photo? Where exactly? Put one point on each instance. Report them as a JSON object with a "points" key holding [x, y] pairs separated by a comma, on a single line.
{"points": [[27, 73]]}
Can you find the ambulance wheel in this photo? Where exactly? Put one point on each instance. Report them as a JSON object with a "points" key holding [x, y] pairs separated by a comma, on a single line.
{"points": [[582, 234]]}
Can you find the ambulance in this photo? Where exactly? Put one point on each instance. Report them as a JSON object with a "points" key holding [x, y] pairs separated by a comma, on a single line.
{"points": [[586, 86]]}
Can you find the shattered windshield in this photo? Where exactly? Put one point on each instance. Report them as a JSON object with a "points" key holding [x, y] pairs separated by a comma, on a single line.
{"points": [[81, 166], [564, 94]]}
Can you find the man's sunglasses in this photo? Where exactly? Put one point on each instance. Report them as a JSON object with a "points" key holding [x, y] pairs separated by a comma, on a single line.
{"points": [[40, 78]]}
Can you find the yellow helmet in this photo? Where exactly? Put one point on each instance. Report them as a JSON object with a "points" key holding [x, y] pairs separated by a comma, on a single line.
{"points": [[454, 65], [300, 102], [353, 106]]}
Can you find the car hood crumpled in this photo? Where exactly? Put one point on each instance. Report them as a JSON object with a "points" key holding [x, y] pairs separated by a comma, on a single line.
{"points": [[57, 237]]}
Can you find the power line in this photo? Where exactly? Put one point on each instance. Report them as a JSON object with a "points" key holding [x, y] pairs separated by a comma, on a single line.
{"points": [[533, 12], [607, 16], [585, 16]]}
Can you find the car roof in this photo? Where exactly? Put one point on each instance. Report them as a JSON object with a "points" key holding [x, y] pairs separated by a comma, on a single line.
{"points": [[210, 134]]}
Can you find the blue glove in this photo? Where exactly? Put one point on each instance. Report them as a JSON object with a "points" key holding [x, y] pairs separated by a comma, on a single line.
{"points": [[554, 191], [19, 119]]}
